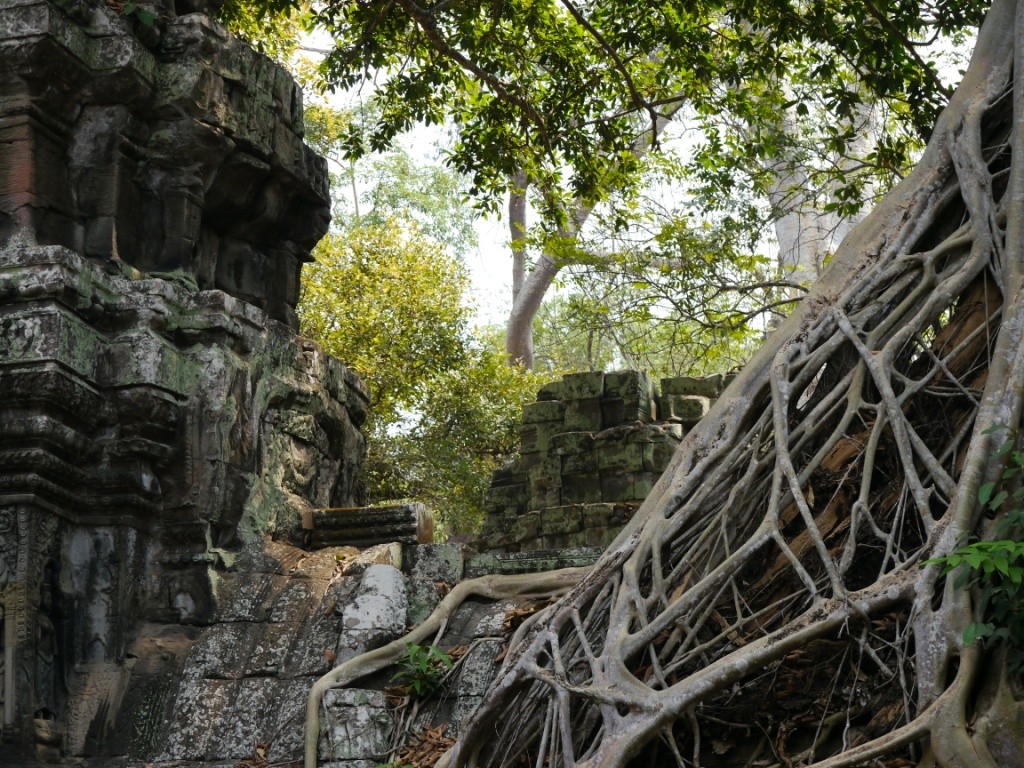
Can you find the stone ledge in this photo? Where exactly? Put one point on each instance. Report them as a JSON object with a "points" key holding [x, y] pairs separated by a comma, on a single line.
{"points": [[536, 561]]}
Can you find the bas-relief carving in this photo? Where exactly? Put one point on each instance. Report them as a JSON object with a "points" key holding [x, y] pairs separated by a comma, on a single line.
{"points": [[50, 682]]}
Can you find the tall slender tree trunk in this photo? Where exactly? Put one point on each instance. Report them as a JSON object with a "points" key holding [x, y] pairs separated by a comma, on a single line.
{"points": [[807, 232], [530, 287]]}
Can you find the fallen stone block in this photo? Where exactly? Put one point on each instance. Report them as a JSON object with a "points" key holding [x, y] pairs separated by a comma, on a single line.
{"points": [[377, 614], [543, 411], [535, 561], [583, 415], [581, 488], [357, 724], [689, 409]]}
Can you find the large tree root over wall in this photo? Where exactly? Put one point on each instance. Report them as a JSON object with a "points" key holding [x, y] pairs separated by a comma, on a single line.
{"points": [[768, 605]]}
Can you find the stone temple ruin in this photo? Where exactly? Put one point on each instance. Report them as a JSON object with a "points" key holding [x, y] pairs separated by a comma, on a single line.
{"points": [[159, 419], [592, 447], [178, 469]]}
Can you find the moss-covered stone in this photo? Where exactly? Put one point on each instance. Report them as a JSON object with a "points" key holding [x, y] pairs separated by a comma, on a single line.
{"points": [[542, 412], [583, 415], [582, 386]]}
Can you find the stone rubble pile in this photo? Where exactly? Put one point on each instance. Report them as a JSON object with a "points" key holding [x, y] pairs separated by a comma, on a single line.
{"points": [[213, 695]]}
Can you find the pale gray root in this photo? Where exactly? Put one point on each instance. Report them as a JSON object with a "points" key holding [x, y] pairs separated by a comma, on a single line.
{"points": [[779, 559], [769, 600], [493, 587]]}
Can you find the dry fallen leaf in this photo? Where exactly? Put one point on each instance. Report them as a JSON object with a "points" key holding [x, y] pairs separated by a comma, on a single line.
{"points": [[426, 747], [456, 652]]}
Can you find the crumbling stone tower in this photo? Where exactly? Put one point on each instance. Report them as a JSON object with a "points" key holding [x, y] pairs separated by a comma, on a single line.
{"points": [[158, 415]]}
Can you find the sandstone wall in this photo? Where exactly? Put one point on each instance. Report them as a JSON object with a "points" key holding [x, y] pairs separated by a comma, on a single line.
{"points": [[172, 147]]}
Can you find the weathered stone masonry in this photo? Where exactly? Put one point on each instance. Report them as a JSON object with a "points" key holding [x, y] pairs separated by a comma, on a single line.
{"points": [[164, 435], [592, 447], [169, 147]]}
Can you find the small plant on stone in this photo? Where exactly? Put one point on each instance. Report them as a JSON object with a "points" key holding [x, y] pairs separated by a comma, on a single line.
{"points": [[144, 15], [422, 668]]}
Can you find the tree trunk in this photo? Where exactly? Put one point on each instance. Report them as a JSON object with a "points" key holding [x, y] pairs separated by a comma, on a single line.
{"points": [[768, 604], [807, 233], [529, 289]]}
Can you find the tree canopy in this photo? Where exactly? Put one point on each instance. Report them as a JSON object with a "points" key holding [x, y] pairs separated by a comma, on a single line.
{"points": [[388, 303], [567, 92], [804, 111]]}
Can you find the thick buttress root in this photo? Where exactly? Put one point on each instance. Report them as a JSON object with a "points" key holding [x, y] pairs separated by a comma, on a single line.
{"points": [[768, 605]]}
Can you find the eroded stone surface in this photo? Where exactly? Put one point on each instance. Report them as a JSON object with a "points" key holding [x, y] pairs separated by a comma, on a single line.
{"points": [[592, 447], [170, 148], [358, 725], [244, 682], [377, 614], [161, 423]]}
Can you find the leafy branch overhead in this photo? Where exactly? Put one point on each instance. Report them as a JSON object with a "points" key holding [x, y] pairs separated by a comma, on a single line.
{"points": [[564, 90]]}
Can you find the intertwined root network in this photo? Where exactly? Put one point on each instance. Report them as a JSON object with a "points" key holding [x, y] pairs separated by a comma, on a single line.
{"points": [[768, 605]]}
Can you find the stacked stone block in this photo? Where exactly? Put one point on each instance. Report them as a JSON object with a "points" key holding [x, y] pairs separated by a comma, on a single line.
{"points": [[367, 526], [593, 445]]}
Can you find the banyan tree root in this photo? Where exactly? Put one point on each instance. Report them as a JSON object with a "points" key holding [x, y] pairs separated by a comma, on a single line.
{"points": [[769, 604], [493, 587]]}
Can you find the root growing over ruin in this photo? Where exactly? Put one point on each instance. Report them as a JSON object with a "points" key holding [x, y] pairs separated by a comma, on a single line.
{"points": [[769, 605], [493, 587]]}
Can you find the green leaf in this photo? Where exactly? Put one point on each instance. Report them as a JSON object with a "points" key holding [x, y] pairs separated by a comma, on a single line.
{"points": [[985, 492], [974, 559], [998, 500], [976, 631]]}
